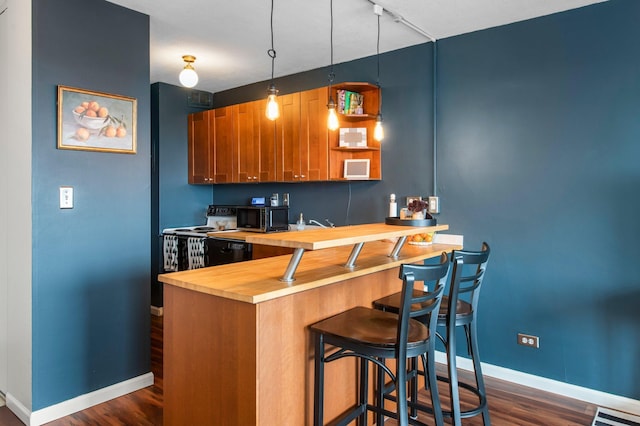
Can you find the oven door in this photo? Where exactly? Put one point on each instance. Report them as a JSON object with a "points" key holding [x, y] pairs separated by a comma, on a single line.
{"points": [[221, 252]]}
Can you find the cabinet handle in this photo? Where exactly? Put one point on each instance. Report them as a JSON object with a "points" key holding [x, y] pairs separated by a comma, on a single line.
{"points": [[302, 176]]}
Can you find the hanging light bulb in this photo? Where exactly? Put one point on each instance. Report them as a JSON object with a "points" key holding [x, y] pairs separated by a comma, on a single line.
{"points": [[188, 76], [332, 119], [378, 131], [273, 110]]}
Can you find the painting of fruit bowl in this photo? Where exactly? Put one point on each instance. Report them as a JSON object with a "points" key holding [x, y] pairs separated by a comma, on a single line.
{"points": [[96, 121], [91, 123]]}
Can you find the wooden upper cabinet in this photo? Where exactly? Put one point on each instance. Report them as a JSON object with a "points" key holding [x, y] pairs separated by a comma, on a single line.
{"points": [[223, 145], [246, 125], [239, 144], [200, 154], [267, 145], [314, 134], [288, 139]]}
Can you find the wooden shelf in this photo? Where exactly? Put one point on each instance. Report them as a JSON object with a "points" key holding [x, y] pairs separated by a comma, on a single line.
{"points": [[337, 154], [357, 117], [363, 148]]}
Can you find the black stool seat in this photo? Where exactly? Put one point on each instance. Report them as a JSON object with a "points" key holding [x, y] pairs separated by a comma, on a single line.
{"points": [[372, 336], [465, 315]]}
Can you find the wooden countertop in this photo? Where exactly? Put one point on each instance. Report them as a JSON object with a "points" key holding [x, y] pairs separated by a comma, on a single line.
{"points": [[315, 239], [259, 280]]}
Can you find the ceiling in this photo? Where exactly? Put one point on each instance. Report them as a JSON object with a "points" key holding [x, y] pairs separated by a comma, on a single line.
{"points": [[230, 39]]}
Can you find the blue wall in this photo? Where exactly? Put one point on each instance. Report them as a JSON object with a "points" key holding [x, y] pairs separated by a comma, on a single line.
{"points": [[537, 154], [91, 263], [538, 148]]}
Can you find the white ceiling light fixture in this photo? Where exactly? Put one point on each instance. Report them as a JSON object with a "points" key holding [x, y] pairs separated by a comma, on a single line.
{"points": [[332, 120], [273, 111], [188, 76]]}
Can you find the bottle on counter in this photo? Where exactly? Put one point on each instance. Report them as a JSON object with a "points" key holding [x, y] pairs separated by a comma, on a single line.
{"points": [[393, 206]]}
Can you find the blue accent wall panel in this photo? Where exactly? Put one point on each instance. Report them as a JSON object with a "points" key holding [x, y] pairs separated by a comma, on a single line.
{"points": [[90, 263], [538, 148], [175, 203]]}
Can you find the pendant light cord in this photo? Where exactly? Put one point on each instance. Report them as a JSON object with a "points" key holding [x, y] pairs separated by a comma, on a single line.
{"points": [[331, 74], [378, 77], [272, 52]]}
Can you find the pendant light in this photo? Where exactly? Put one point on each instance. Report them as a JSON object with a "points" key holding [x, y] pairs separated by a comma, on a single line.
{"points": [[378, 131], [272, 112], [332, 121], [188, 76]]}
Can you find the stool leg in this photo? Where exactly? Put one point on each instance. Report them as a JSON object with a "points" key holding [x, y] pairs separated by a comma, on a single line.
{"points": [[413, 392], [472, 337], [401, 392], [380, 394], [454, 392], [318, 384], [364, 391], [430, 376]]}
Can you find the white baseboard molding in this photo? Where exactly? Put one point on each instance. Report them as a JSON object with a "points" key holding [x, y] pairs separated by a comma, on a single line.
{"points": [[601, 399], [79, 403], [156, 310]]}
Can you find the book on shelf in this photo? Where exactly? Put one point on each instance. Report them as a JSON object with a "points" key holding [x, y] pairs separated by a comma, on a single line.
{"points": [[350, 102]]}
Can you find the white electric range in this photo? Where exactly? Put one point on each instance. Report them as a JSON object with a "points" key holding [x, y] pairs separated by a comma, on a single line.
{"points": [[189, 247]]}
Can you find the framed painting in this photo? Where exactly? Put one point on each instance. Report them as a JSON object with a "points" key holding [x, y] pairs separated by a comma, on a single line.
{"points": [[96, 121]]}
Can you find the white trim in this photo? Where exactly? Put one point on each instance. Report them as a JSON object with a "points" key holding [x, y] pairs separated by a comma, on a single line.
{"points": [[79, 403], [591, 396], [157, 310]]}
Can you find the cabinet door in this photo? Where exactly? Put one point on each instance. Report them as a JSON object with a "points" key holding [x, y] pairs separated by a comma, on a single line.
{"points": [[200, 155], [247, 140], [223, 145], [314, 135], [288, 134], [268, 140]]}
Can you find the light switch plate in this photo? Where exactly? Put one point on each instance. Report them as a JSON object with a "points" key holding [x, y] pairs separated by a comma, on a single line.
{"points": [[66, 197]]}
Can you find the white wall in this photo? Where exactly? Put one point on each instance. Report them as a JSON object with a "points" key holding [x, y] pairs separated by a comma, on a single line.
{"points": [[4, 107], [15, 214]]}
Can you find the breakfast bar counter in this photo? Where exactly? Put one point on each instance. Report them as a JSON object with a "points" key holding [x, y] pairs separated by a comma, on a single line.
{"points": [[237, 349]]}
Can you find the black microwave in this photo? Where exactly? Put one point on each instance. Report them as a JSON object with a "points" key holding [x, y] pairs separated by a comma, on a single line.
{"points": [[263, 218]]}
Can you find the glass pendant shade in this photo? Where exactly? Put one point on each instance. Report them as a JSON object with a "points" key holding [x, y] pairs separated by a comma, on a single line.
{"points": [[378, 131], [188, 76], [273, 110], [332, 120]]}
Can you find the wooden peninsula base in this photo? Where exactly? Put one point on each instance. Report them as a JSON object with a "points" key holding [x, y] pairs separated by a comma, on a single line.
{"points": [[239, 352]]}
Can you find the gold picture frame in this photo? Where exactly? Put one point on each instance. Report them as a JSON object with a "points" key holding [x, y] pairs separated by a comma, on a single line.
{"points": [[96, 121]]}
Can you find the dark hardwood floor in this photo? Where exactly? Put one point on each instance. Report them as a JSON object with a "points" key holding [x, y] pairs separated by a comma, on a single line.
{"points": [[509, 404]]}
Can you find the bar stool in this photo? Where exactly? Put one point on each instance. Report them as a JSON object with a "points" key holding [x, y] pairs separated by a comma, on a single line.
{"points": [[465, 314], [372, 335]]}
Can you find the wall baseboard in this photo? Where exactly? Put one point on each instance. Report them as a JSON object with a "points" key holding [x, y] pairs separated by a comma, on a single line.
{"points": [[601, 399], [157, 310], [79, 403]]}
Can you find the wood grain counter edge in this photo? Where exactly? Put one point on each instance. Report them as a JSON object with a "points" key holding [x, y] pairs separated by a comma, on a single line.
{"points": [[257, 281]]}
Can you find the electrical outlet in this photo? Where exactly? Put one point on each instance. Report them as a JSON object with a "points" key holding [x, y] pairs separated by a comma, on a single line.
{"points": [[528, 340], [434, 205]]}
